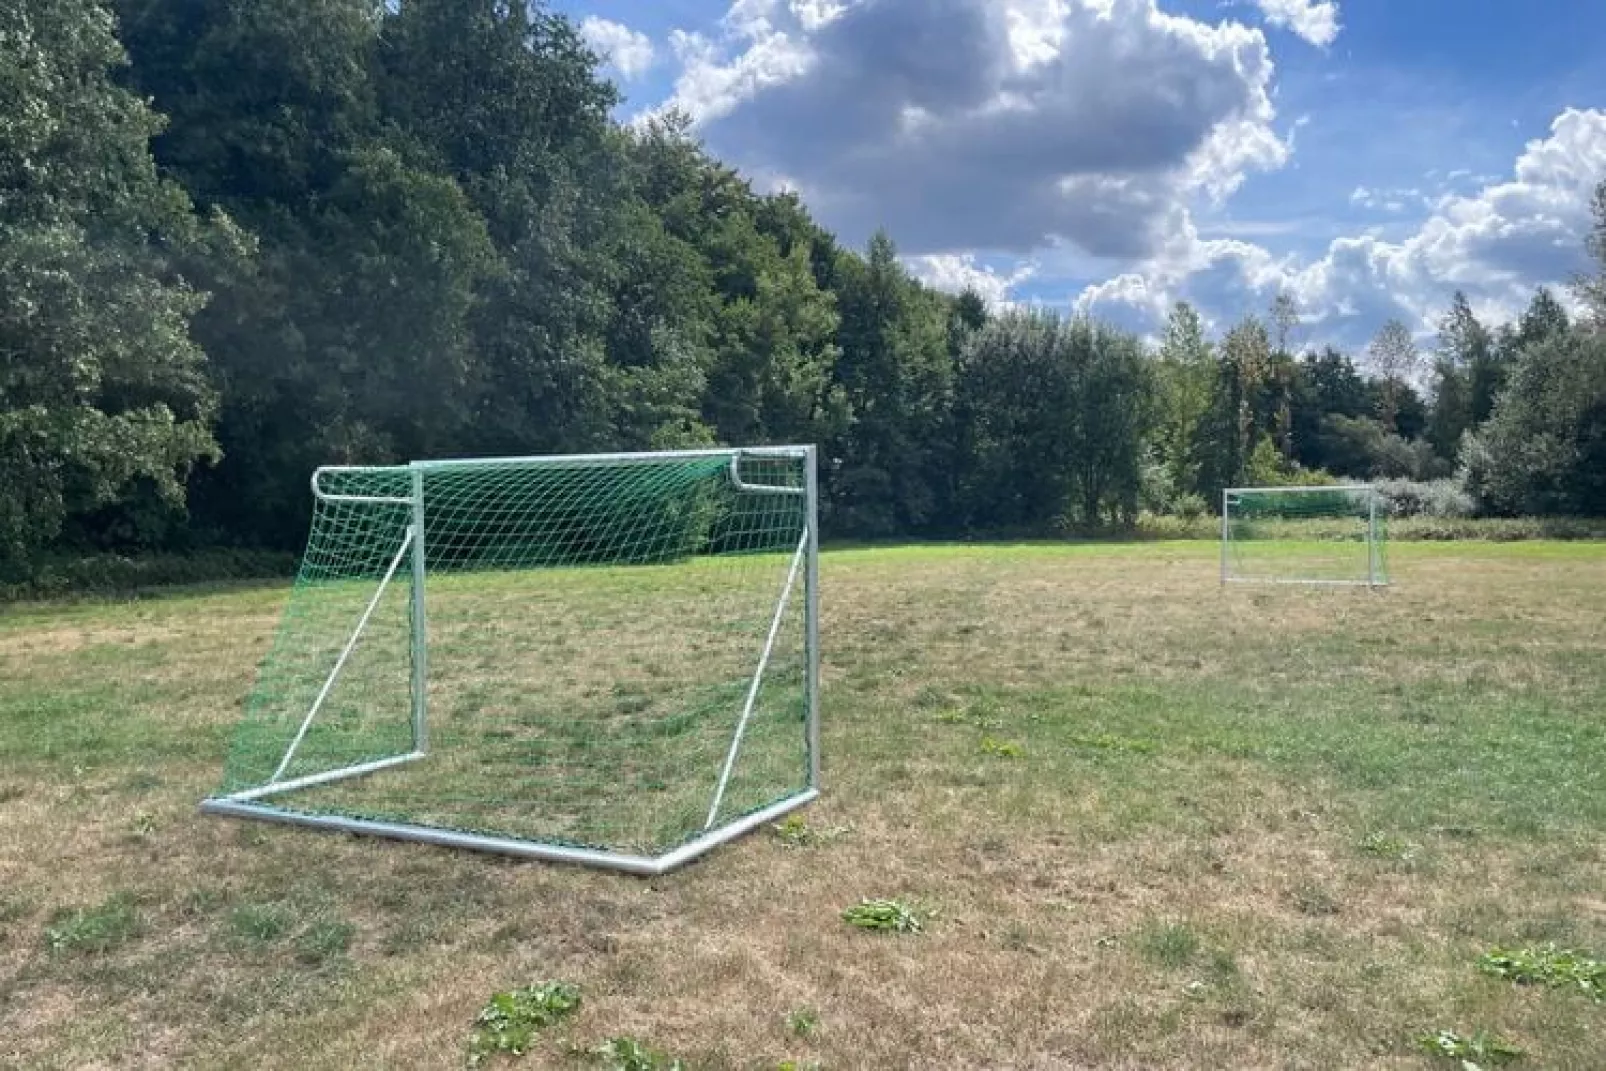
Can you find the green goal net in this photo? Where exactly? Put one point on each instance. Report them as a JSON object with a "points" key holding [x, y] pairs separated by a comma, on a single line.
{"points": [[606, 659], [1304, 535]]}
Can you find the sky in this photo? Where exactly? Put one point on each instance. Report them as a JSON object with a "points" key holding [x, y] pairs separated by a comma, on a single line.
{"points": [[1111, 157]]}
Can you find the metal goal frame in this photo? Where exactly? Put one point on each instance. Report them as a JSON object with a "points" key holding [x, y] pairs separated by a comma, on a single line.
{"points": [[1375, 573], [253, 802]]}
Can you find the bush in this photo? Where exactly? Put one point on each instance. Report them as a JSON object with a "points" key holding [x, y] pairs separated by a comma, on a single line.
{"points": [[1445, 499]]}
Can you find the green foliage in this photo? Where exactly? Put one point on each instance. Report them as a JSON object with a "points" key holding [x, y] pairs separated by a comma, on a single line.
{"points": [[802, 1022], [628, 1054], [1474, 1051], [261, 923], [1172, 945], [113, 922], [1003, 749], [1544, 449], [885, 916], [1387, 846], [103, 394], [794, 831], [510, 1022], [1550, 966], [1056, 412]]}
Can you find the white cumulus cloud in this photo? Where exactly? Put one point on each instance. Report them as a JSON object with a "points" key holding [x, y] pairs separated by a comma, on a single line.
{"points": [[1314, 20], [956, 273], [627, 51], [1496, 244], [987, 125]]}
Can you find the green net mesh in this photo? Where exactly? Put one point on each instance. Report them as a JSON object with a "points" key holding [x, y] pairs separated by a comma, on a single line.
{"points": [[590, 633], [1334, 535]]}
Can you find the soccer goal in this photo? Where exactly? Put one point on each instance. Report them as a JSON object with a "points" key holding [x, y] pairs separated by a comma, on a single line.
{"points": [[608, 659], [1303, 535]]}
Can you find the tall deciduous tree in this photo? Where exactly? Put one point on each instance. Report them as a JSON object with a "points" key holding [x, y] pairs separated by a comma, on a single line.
{"points": [[1591, 286], [1395, 358], [1463, 362], [103, 395]]}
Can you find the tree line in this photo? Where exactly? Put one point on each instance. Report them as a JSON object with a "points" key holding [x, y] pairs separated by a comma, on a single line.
{"points": [[240, 240]]}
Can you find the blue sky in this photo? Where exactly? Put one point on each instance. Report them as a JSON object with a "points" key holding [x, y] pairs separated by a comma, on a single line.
{"points": [[1367, 157]]}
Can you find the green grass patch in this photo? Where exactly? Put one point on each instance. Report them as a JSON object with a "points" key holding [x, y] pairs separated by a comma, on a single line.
{"points": [[102, 928]]}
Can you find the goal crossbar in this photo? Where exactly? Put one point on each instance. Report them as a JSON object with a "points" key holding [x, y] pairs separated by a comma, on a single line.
{"points": [[261, 801]]}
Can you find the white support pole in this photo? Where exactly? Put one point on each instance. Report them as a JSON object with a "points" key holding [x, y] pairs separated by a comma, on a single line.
{"points": [[1371, 537], [758, 679], [420, 622], [1226, 533], [340, 663], [811, 625]]}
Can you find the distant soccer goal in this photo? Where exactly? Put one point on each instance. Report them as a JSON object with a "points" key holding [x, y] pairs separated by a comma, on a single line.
{"points": [[1304, 535], [607, 659]]}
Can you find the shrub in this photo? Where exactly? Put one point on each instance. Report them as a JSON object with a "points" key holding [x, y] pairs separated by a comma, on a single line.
{"points": [[1446, 499]]}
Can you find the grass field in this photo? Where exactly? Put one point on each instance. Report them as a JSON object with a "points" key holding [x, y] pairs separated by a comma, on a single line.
{"points": [[1150, 823]]}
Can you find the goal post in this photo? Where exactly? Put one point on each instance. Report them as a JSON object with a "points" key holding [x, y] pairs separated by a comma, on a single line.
{"points": [[1327, 535], [608, 659]]}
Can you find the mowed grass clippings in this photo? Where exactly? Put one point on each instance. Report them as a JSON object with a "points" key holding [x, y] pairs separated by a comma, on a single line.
{"points": [[1253, 827]]}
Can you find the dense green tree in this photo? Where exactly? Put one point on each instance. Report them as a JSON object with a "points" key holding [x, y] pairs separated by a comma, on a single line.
{"points": [[1544, 450], [104, 402], [1059, 410], [896, 373]]}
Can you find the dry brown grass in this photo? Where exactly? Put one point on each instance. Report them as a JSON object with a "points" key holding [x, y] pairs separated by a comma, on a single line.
{"points": [[1170, 875]]}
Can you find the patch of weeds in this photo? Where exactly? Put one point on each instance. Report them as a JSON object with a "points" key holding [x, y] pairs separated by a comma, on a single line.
{"points": [[1112, 742], [794, 831], [261, 923], [794, 1065], [113, 922], [1478, 1051], [510, 1021], [628, 1054], [143, 825], [1004, 749], [11, 792], [1315, 901], [885, 916], [1548, 965], [1173, 945], [1387, 846], [803, 1022], [324, 940]]}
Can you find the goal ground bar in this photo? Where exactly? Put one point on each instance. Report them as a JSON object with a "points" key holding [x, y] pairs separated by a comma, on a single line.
{"points": [[640, 865]]}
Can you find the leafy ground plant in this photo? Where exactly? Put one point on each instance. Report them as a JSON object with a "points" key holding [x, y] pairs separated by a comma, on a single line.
{"points": [[628, 1054], [510, 1021], [886, 916], [1475, 1052], [794, 831], [1004, 749], [1548, 965]]}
